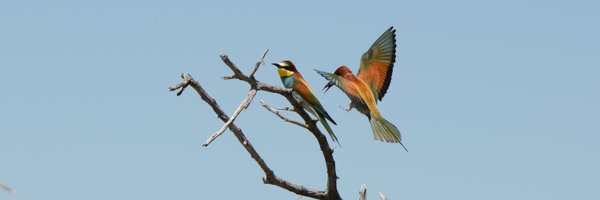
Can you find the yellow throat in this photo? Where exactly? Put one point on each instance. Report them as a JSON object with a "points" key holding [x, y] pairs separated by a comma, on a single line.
{"points": [[284, 72]]}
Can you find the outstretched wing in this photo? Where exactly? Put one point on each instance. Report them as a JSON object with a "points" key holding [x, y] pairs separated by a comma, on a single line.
{"points": [[377, 64]]}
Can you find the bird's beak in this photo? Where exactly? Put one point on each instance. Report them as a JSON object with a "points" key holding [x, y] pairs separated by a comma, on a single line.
{"points": [[276, 65], [327, 86]]}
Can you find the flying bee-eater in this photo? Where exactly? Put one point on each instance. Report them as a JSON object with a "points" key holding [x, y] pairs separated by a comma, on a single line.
{"points": [[302, 92], [370, 84]]}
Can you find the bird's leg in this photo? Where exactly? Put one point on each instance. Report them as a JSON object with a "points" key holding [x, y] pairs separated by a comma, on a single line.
{"points": [[347, 109]]}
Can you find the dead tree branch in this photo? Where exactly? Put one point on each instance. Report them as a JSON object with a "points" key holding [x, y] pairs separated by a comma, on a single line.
{"points": [[244, 103], [270, 177], [362, 193], [382, 196], [312, 127], [242, 106], [331, 191], [6, 188], [285, 119]]}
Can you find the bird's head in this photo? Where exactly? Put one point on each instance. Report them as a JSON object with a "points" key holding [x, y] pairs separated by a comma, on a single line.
{"points": [[340, 71], [285, 68]]}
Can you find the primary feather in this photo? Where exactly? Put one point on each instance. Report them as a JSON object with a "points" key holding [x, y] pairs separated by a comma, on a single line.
{"points": [[377, 64]]}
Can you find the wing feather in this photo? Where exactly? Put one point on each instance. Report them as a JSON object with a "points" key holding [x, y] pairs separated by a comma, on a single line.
{"points": [[377, 64]]}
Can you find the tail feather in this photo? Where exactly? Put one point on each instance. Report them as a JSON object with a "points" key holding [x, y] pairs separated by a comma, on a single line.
{"points": [[322, 113], [385, 131], [328, 128], [322, 119]]}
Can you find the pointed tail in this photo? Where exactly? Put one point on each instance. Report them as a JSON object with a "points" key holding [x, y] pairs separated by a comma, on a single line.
{"points": [[385, 131], [328, 128]]}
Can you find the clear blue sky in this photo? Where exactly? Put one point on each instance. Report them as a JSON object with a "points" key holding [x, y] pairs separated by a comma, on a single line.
{"points": [[495, 99]]}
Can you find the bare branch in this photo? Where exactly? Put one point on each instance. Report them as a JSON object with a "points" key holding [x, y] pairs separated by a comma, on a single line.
{"points": [[6, 188], [242, 106], [260, 61], [237, 74], [186, 81], [270, 177], [273, 89], [227, 77], [382, 196], [331, 191], [285, 119], [362, 193]]}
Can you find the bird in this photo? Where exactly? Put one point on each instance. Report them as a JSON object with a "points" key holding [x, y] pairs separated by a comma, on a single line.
{"points": [[292, 79], [370, 85]]}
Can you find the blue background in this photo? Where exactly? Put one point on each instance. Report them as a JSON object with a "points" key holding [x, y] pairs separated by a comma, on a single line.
{"points": [[495, 99]]}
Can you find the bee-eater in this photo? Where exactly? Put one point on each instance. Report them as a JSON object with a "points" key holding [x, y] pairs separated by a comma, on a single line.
{"points": [[370, 84], [301, 91]]}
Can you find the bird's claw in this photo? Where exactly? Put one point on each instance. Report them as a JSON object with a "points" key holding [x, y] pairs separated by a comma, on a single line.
{"points": [[347, 109]]}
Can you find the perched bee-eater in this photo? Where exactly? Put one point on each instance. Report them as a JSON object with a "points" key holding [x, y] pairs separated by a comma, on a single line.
{"points": [[292, 79], [370, 84]]}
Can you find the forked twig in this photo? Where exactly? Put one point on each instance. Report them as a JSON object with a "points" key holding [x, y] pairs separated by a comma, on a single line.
{"points": [[285, 119], [243, 105]]}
